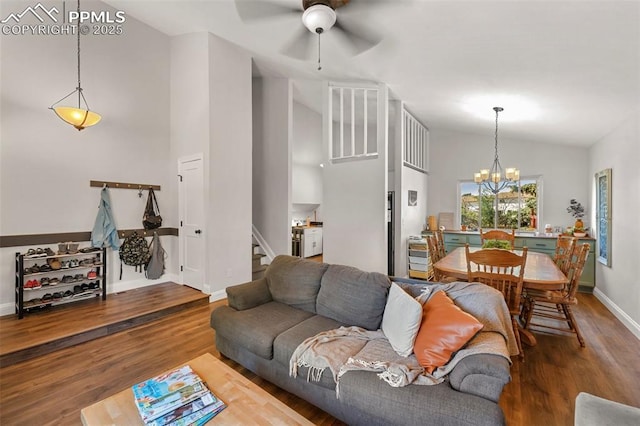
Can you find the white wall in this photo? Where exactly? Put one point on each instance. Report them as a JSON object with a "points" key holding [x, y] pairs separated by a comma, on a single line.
{"points": [[456, 156], [190, 109], [617, 286], [306, 178], [211, 114], [354, 210], [410, 220], [272, 152], [230, 172], [46, 164], [306, 182]]}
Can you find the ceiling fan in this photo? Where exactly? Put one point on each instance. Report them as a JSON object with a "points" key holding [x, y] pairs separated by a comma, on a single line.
{"points": [[318, 17]]}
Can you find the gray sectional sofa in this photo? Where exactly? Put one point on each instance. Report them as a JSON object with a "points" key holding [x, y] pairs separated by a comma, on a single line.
{"points": [[267, 319]]}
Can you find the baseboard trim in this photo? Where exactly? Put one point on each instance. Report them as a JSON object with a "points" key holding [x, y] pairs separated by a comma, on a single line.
{"points": [[625, 319], [217, 295], [7, 309], [120, 286]]}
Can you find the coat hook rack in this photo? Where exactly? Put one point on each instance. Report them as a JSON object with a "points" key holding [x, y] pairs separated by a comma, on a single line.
{"points": [[142, 232], [123, 185]]}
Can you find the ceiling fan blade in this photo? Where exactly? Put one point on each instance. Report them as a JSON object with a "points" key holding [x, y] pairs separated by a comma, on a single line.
{"points": [[301, 44], [250, 10], [358, 40]]}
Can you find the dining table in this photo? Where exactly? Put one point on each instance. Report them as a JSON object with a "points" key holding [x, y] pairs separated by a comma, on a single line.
{"points": [[540, 273]]}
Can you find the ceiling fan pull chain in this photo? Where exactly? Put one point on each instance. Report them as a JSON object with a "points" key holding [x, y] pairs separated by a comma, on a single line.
{"points": [[319, 66]]}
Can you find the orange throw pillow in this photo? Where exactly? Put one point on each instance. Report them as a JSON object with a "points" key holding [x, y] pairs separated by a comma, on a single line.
{"points": [[445, 328]]}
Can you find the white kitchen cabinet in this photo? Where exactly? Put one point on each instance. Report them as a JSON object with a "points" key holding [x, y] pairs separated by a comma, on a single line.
{"points": [[312, 244]]}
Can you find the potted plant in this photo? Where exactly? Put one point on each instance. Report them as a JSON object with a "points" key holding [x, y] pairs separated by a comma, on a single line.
{"points": [[577, 211]]}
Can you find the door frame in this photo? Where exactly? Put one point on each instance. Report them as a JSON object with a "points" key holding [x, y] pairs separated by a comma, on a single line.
{"points": [[181, 236]]}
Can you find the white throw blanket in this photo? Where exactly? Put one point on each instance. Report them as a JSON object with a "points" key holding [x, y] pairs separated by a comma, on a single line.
{"points": [[354, 348]]}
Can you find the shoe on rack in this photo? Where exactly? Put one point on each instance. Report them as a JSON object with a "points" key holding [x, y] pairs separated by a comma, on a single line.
{"points": [[49, 252], [72, 248], [73, 263], [89, 249], [54, 281], [62, 248], [54, 264], [92, 275], [44, 281]]}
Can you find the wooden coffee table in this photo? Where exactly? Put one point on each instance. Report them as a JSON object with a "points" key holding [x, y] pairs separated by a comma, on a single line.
{"points": [[247, 403]]}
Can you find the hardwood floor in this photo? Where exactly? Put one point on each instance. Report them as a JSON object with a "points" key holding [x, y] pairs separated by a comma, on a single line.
{"points": [[49, 330], [52, 388]]}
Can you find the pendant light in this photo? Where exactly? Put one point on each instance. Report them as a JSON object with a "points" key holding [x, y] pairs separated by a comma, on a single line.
{"points": [[496, 179], [78, 117]]}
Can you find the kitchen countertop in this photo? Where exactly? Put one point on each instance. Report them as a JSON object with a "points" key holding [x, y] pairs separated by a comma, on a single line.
{"points": [[518, 234]]}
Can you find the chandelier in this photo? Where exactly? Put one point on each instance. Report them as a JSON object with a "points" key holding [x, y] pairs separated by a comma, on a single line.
{"points": [[496, 178], [78, 117]]}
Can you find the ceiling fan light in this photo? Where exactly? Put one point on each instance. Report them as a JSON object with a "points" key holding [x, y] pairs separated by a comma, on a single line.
{"points": [[319, 18], [77, 117]]}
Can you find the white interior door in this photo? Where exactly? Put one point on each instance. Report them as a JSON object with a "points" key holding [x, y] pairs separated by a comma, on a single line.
{"points": [[192, 240]]}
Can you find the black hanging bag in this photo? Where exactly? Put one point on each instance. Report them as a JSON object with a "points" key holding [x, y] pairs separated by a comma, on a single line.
{"points": [[151, 218]]}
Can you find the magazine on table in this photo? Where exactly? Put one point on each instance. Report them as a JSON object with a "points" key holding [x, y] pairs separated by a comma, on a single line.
{"points": [[147, 392], [177, 397], [173, 401], [197, 407], [200, 417], [162, 394]]}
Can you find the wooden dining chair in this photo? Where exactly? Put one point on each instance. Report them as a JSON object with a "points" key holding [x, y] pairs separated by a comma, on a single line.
{"points": [[556, 305], [436, 254], [432, 244], [504, 271], [496, 234], [440, 243], [564, 252]]}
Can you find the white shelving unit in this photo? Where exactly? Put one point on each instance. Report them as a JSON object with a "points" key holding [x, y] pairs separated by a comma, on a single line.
{"points": [[418, 259]]}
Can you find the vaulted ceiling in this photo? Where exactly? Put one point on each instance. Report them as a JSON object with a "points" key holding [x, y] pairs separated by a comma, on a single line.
{"points": [[566, 72]]}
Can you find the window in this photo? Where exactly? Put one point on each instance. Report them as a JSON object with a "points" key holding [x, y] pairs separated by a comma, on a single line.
{"points": [[518, 206], [603, 216]]}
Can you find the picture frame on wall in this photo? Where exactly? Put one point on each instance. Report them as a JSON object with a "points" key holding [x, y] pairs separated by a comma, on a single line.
{"points": [[603, 216], [413, 198]]}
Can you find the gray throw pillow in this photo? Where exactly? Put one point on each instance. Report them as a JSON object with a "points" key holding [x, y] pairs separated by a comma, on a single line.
{"points": [[295, 281], [352, 296]]}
